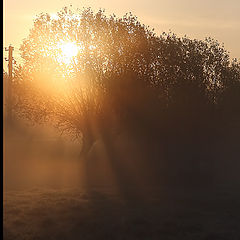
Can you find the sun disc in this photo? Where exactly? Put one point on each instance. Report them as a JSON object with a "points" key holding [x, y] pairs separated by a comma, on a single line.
{"points": [[69, 49]]}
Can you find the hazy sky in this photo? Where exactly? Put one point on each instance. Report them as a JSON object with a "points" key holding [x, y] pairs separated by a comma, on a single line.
{"points": [[219, 19]]}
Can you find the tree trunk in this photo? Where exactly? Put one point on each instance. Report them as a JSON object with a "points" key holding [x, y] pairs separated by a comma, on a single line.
{"points": [[86, 145]]}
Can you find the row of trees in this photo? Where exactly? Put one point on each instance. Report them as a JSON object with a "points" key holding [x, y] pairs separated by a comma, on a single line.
{"points": [[163, 90]]}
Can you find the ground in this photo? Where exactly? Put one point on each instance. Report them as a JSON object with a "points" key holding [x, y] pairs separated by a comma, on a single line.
{"points": [[45, 198], [74, 213]]}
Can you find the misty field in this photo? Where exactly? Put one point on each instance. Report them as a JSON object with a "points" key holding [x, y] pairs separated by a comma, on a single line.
{"points": [[45, 198], [100, 214]]}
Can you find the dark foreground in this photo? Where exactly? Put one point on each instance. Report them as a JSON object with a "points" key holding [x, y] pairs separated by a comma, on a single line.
{"points": [[71, 214]]}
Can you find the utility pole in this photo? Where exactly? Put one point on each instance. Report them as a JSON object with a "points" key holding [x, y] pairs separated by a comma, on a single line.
{"points": [[9, 81]]}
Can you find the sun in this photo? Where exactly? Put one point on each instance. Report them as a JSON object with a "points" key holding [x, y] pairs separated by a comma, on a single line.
{"points": [[69, 49]]}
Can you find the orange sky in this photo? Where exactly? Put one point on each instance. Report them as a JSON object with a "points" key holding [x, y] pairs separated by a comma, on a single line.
{"points": [[219, 19]]}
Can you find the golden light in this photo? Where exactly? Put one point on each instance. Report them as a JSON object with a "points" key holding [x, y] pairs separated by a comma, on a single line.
{"points": [[68, 51]]}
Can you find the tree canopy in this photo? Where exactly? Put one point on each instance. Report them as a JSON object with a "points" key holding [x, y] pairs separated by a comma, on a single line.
{"points": [[122, 72]]}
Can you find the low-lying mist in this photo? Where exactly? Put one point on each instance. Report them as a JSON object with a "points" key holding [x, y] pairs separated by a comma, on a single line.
{"points": [[39, 157]]}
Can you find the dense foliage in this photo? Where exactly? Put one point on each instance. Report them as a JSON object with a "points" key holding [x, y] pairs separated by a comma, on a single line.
{"points": [[170, 93]]}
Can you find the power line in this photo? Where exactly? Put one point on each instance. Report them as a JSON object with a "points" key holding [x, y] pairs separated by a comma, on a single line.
{"points": [[10, 60]]}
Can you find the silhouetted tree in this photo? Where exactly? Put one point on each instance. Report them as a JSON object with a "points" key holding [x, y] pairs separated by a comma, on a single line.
{"points": [[167, 92], [109, 47]]}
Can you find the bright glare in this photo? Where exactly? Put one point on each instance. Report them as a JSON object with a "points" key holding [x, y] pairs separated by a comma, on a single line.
{"points": [[69, 50]]}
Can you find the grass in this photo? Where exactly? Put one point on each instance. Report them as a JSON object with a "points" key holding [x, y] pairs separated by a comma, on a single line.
{"points": [[40, 203], [74, 213]]}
